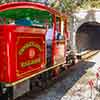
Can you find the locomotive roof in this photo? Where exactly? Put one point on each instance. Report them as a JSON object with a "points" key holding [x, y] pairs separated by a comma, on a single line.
{"points": [[24, 13], [33, 11], [32, 5]]}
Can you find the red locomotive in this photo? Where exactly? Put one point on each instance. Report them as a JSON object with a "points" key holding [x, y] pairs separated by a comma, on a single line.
{"points": [[33, 40]]}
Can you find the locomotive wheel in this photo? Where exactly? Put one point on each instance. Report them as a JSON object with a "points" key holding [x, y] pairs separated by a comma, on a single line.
{"points": [[8, 95], [56, 73], [42, 80]]}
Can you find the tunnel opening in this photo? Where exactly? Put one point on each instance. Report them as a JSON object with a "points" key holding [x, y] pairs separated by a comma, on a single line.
{"points": [[88, 37]]}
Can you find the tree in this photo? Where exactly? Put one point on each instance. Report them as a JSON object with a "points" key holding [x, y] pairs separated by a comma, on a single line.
{"points": [[90, 4], [67, 6]]}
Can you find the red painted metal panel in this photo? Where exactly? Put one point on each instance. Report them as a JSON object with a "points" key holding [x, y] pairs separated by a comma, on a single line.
{"points": [[30, 54], [21, 53], [3, 58], [6, 51]]}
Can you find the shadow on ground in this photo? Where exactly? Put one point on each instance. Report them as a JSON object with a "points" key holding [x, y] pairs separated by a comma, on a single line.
{"points": [[60, 86]]}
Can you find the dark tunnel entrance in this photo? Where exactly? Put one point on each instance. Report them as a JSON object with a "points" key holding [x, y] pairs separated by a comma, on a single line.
{"points": [[88, 37]]}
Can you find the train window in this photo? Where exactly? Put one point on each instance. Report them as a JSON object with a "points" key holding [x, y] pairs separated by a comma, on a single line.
{"points": [[62, 29], [59, 29], [49, 34]]}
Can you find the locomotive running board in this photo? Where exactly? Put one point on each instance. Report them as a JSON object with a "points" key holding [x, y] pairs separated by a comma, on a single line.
{"points": [[19, 81]]}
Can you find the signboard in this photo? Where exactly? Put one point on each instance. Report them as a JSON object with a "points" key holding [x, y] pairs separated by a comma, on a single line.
{"points": [[30, 54]]}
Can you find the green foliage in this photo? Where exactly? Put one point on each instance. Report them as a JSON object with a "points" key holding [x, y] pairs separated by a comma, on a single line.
{"points": [[68, 6], [73, 5], [90, 4]]}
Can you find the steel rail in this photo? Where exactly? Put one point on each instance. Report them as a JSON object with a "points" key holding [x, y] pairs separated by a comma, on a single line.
{"points": [[89, 54]]}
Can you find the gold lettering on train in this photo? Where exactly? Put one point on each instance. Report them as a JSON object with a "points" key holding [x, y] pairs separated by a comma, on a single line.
{"points": [[30, 62], [27, 45]]}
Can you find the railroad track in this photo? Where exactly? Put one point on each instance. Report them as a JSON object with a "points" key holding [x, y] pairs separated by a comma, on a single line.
{"points": [[37, 91], [89, 54]]}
